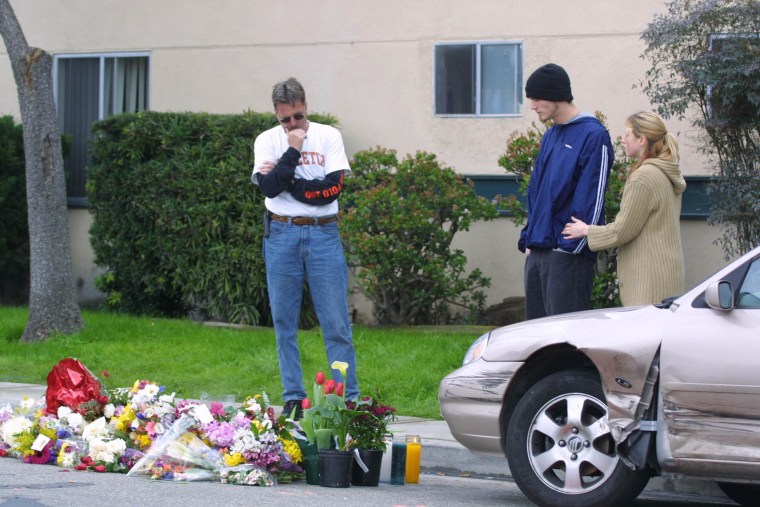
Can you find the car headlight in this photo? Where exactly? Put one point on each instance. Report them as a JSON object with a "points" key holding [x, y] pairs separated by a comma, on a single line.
{"points": [[476, 349]]}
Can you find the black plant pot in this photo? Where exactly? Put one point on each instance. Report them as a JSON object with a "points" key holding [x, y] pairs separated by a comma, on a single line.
{"points": [[373, 458], [335, 468]]}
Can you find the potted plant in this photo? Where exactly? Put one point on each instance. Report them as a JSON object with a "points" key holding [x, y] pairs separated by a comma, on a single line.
{"points": [[368, 432], [326, 419]]}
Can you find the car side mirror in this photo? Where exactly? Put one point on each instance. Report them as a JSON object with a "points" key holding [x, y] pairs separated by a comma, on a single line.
{"points": [[720, 296]]}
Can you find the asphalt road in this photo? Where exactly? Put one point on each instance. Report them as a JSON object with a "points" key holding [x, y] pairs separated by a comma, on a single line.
{"points": [[23, 485]]}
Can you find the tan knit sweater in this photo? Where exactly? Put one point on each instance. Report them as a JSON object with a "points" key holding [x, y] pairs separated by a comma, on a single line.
{"points": [[647, 233]]}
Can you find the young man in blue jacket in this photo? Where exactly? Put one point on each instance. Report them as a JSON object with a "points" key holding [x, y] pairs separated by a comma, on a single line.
{"points": [[569, 179]]}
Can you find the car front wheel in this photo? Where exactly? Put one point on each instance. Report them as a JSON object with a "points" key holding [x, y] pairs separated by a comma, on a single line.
{"points": [[560, 449]]}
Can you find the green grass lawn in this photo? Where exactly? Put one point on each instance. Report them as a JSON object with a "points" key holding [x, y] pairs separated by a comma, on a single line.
{"points": [[405, 364]]}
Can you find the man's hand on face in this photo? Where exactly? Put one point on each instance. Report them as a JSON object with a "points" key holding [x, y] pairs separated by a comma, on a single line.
{"points": [[296, 138]]}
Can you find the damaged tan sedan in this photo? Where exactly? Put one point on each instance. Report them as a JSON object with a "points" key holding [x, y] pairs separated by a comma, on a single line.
{"points": [[588, 406]]}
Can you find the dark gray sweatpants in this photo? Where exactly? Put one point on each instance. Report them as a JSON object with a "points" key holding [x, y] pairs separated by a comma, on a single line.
{"points": [[557, 282]]}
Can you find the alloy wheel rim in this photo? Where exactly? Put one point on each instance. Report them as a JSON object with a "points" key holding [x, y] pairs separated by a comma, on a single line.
{"points": [[570, 447]]}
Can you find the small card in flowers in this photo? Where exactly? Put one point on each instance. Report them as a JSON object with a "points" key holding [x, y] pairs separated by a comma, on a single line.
{"points": [[203, 414], [40, 442]]}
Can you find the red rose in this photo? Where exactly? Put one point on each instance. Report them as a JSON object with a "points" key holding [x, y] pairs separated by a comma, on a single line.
{"points": [[3, 452], [105, 374], [320, 378], [86, 460], [100, 468], [339, 389], [305, 404], [329, 386], [81, 467]]}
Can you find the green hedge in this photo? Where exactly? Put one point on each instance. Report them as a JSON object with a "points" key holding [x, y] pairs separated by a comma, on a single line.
{"points": [[14, 229], [177, 222]]}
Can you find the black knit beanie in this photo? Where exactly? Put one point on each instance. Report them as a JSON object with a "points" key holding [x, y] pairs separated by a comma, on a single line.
{"points": [[549, 82]]}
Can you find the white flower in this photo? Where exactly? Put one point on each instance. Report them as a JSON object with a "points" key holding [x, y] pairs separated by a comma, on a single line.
{"points": [[116, 446], [109, 410], [76, 421], [12, 427], [96, 429], [63, 412], [167, 398], [27, 403], [98, 451], [146, 394]]}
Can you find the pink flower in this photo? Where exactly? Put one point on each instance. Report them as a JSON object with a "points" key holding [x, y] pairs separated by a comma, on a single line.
{"points": [[305, 403], [339, 389], [217, 409], [320, 378], [329, 386]]}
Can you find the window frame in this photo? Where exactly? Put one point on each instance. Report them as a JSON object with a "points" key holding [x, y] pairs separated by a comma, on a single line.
{"points": [[81, 202], [478, 77]]}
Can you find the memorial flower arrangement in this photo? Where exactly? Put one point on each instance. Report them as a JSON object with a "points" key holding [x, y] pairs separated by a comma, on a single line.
{"points": [[81, 424]]}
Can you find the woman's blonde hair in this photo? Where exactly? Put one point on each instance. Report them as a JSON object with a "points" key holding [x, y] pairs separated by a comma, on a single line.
{"points": [[660, 143]]}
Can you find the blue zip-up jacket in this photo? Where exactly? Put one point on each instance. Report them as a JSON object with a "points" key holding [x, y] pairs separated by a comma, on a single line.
{"points": [[569, 179]]}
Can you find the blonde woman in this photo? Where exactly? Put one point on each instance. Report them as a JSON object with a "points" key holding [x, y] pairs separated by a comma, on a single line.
{"points": [[647, 229]]}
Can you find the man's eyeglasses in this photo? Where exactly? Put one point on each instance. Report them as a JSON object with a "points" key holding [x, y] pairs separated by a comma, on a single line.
{"points": [[297, 116]]}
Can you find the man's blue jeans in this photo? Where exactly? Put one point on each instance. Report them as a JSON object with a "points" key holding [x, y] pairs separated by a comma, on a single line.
{"points": [[314, 253]]}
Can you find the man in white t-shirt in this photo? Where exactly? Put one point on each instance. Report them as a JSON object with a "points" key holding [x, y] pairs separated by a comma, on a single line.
{"points": [[299, 165]]}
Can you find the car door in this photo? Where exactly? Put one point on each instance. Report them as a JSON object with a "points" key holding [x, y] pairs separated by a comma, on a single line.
{"points": [[710, 384]]}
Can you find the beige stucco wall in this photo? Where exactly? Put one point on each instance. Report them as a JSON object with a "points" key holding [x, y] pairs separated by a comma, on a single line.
{"points": [[371, 65]]}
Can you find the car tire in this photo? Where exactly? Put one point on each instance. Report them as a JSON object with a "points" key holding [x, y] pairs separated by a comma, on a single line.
{"points": [[542, 442], [743, 494]]}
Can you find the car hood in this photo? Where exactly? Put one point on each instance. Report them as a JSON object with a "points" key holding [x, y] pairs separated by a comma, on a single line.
{"points": [[621, 342]]}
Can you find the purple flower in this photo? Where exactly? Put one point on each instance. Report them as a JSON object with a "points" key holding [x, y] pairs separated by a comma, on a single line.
{"points": [[220, 434]]}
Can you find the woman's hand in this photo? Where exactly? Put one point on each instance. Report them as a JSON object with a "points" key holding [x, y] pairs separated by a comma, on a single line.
{"points": [[575, 229]]}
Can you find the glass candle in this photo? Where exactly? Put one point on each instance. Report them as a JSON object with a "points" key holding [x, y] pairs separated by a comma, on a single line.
{"points": [[413, 455], [398, 462], [385, 466]]}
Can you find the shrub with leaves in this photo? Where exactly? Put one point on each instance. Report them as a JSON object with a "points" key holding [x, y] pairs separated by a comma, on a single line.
{"points": [[705, 66], [521, 153], [398, 223], [177, 223], [14, 231]]}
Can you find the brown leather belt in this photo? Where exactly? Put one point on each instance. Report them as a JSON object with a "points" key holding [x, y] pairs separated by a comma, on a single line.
{"points": [[303, 220]]}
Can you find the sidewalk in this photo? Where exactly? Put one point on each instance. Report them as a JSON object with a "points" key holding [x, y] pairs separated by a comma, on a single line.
{"points": [[441, 453]]}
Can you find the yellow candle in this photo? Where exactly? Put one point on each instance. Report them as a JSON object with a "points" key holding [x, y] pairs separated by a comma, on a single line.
{"points": [[413, 454]]}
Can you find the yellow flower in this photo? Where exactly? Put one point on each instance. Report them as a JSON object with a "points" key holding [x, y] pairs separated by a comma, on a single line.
{"points": [[291, 447], [233, 459], [341, 367], [143, 441], [125, 419]]}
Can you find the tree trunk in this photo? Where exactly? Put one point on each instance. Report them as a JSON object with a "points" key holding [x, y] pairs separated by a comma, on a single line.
{"points": [[52, 295]]}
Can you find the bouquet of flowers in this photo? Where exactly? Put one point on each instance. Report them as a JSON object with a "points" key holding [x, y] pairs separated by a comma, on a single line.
{"points": [[179, 455], [146, 415], [253, 435], [326, 417]]}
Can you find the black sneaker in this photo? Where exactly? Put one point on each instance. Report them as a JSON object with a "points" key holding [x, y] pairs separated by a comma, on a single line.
{"points": [[292, 410]]}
